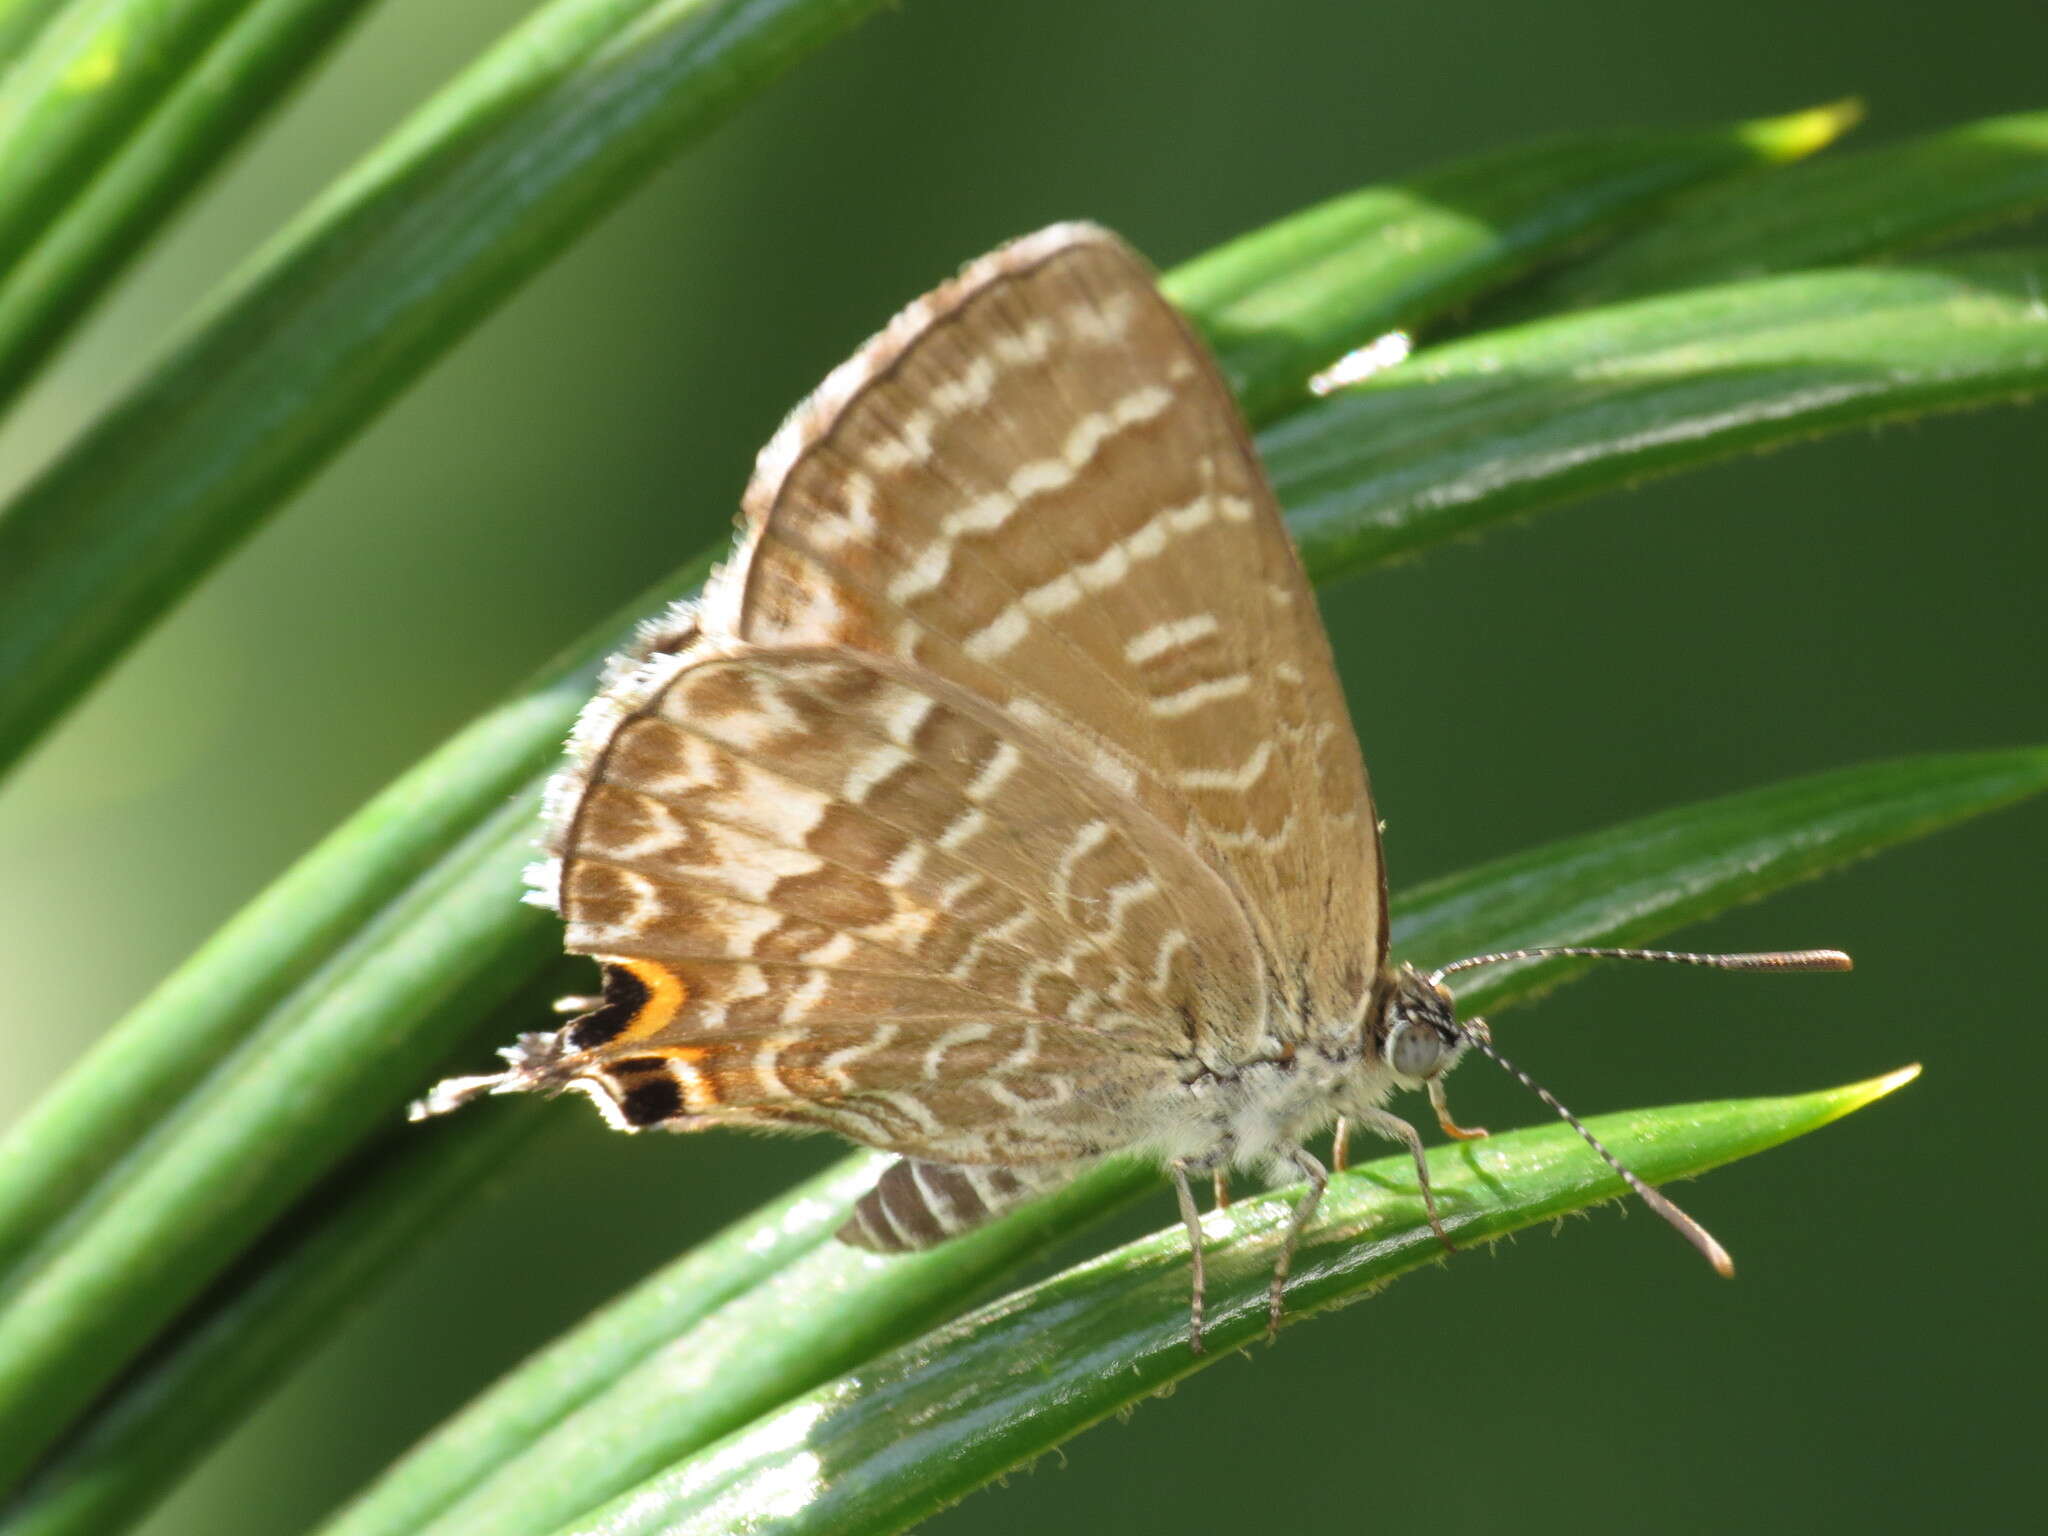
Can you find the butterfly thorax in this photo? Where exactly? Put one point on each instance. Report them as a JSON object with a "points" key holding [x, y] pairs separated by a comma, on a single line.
{"points": [[1253, 1113]]}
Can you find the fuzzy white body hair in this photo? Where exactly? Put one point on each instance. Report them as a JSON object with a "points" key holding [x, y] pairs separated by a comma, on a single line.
{"points": [[1257, 1117]]}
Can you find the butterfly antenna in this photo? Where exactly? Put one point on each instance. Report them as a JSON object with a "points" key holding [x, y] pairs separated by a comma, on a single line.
{"points": [[1480, 1038], [1691, 1230], [1768, 960]]}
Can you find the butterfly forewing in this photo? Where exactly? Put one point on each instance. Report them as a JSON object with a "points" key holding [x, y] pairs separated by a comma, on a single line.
{"points": [[1036, 484]]}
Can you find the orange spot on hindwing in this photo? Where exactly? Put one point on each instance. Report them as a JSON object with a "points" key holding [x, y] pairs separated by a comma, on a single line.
{"points": [[640, 998]]}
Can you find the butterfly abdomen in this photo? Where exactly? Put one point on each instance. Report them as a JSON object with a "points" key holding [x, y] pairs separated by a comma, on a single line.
{"points": [[916, 1204]]}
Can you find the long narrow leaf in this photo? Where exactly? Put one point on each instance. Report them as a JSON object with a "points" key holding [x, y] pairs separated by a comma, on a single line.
{"points": [[487, 182], [1280, 302], [220, 99], [1476, 430], [136, 1074], [306, 1091], [880, 1449], [84, 78], [286, 1294], [253, 1329], [1880, 202], [20, 22], [527, 1456]]}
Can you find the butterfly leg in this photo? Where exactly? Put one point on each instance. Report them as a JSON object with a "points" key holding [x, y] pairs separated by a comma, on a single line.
{"points": [[1442, 1106], [1396, 1129], [1220, 1186], [1192, 1219], [1340, 1146], [1304, 1212]]}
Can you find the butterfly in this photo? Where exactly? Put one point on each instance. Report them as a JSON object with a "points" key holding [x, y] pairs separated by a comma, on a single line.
{"points": [[996, 804]]}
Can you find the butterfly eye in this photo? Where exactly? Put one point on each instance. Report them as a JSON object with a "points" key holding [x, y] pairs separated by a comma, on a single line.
{"points": [[1416, 1050]]}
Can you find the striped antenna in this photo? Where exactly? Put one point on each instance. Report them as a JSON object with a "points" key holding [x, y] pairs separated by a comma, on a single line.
{"points": [[1481, 1038], [1692, 1231], [1767, 960]]}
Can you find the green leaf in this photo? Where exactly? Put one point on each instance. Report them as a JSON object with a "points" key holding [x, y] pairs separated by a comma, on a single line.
{"points": [[1476, 430], [306, 1090], [138, 1073], [256, 1326], [85, 76], [387, 270], [884, 1447], [285, 1294], [20, 22], [1279, 303], [526, 1456], [1900, 197], [1634, 883], [169, 150]]}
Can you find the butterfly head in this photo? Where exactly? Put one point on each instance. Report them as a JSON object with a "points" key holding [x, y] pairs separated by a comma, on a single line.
{"points": [[1418, 1036]]}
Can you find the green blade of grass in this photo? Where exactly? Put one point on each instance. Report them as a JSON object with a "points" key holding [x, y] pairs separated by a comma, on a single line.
{"points": [[302, 1095], [83, 79], [103, 1110], [393, 265], [502, 170], [1476, 430], [1879, 202], [220, 99], [1279, 303], [280, 1300], [20, 22], [525, 1457], [253, 1327], [878, 1450]]}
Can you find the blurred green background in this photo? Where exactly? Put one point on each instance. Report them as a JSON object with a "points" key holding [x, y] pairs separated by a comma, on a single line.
{"points": [[1874, 1367]]}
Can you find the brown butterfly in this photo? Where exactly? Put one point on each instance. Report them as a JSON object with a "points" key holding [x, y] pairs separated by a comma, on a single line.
{"points": [[997, 805]]}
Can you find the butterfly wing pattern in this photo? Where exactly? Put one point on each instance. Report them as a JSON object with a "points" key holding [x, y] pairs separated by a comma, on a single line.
{"points": [[996, 804]]}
